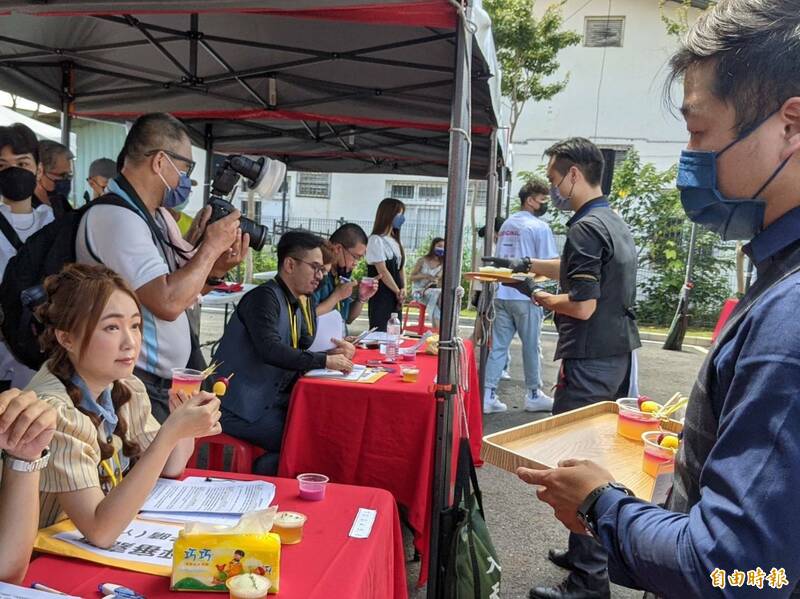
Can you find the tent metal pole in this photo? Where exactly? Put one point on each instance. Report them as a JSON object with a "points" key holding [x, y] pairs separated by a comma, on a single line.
{"points": [[488, 245], [283, 202], [209, 147], [457, 185], [66, 100]]}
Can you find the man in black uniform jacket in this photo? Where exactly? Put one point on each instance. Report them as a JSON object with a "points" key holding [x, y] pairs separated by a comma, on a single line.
{"points": [[594, 315]]}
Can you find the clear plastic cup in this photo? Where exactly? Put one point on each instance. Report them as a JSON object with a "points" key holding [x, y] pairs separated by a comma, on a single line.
{"points": [[365, 285], [248, 586], [410, 375], [289, 527], [312, 486], [408, 354], [654, 455], [632, 422], [187, 380]]}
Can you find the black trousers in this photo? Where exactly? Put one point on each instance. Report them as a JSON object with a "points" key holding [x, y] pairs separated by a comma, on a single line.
{"points": [[266, 432], [583, 382]]}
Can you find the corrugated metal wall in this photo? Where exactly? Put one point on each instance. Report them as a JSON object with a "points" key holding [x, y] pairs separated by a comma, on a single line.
{"points": [[95, 140]]}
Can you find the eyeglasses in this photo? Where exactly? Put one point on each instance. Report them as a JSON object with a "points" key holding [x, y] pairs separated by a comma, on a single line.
{"points": [[58, 176], [189, 162], [352, 255], [319, 269]]}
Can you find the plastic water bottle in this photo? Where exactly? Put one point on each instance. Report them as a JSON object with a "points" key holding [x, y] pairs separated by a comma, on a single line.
{"points": [[392, 338]]}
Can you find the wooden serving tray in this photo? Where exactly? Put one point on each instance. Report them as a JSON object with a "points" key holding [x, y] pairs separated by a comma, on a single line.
{"points": [[586, 433], [491, 277]]}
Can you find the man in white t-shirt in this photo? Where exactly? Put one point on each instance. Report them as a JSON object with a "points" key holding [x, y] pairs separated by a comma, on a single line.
{"points": [[19, 166], [167, 281], [523, 234]]}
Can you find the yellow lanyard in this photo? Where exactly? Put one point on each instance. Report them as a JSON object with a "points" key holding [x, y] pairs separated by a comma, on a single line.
{"points": [[109, 468], [335, 285], [293, 325], [306, 308]]}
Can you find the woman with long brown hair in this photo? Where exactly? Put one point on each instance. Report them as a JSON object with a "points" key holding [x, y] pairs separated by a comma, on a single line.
{"points": [[386, 257], [108, 450]]}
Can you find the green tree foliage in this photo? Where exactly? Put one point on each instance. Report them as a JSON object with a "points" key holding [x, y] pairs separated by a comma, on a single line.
{"points": [[678, 23], [649, 202], [527, 48]]}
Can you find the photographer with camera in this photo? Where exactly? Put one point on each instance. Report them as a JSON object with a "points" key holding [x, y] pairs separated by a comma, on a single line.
{"points": [[134, 241]]}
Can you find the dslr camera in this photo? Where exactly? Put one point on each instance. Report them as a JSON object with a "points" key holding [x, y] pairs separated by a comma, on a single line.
{"points": [[263, 176]]}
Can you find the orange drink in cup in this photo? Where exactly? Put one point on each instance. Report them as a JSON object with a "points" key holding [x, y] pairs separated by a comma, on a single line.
{"points": [[632, 421], [410, 374], [187, 380], [659, 448]]}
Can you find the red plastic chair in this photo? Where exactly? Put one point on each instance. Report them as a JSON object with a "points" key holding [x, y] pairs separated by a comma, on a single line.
{"points": [[419, 328], [243, 453], [724, 315]]}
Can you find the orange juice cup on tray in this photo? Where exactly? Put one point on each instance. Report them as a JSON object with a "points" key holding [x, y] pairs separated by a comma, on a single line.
{"points": [[654, 453], [632, 421], [187, 380]]}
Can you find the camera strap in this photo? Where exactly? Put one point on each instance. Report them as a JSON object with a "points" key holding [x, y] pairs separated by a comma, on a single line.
{"points": [[155, 230]]}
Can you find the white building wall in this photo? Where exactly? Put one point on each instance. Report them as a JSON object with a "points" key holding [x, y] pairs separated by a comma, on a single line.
{"points": [[614, 95]]}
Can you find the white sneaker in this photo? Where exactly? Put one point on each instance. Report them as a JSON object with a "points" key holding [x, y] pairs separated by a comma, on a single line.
{"points": [[505, 376], [538, 402], [492, 405]]}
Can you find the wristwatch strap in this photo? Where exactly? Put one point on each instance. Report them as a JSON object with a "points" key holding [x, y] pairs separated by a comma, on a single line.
{"points": [[19, 465], [586, 510], [214, 281]]}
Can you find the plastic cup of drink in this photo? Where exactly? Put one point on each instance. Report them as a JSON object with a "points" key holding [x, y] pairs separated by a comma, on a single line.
{"points": [[312, 486], [289, 527], [654, 455], [187, 380], [365, 285], [632, 422], [410, 375], [248, 586], [408, 354]]}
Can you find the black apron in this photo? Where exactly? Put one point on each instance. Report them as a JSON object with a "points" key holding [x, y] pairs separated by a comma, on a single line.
{"points": [[383, 303]]}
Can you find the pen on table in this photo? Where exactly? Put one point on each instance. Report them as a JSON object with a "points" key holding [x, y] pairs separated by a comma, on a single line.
{"points": [[40, 587], [118, 591]]}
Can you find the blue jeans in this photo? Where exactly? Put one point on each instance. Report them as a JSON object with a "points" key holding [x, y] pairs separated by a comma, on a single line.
{"points": [[522, 317]]}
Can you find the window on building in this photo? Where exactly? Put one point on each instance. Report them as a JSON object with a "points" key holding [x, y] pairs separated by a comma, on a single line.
{"points": [[402, 192], [314, 185], [477, 193], [620, 153], [604, 32], [256, 215], [431, 192]]}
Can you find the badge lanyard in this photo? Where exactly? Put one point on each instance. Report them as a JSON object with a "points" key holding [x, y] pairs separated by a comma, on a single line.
{"points": [[306, 308], [293, 325], [109, 468]]}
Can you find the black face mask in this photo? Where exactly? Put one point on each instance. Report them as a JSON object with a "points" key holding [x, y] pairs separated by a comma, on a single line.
{"points": [[541, 210], [17, 184]]}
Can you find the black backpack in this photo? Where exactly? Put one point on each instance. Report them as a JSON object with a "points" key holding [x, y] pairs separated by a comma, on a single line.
{"points": [[44, 253]]}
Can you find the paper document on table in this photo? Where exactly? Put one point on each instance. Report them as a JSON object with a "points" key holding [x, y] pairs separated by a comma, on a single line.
{"points": [[142, 542], [362, 525], [214, 497], [12, 591], [376, 337], [185, 517], [329, 326], [326, 373]]}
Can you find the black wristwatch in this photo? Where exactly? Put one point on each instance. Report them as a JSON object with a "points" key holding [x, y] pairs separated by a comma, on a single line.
{"points": [[586, 513], [214, 281]]}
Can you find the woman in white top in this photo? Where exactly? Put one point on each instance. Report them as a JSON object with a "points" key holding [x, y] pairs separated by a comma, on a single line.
{"points": [[426, 279], [386, 257], [19, 166]]}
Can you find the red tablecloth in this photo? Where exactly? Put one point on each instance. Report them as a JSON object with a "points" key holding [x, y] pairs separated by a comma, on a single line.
{"points": [[377, 435], [326, 563]]}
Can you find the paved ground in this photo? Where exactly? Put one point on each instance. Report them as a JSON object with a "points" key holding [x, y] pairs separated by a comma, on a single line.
{"points": [[523, 528]]}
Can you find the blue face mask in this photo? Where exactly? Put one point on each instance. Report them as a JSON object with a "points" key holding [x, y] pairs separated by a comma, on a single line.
{"points": [[558, 200], [438, 252], [398, 221], [705, 205], [62, 187], [177, 197]]}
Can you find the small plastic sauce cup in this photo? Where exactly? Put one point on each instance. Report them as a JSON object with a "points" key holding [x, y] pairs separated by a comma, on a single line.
{"points": [[410, 375], [289, 527], [248, 586], [312, 486]]}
